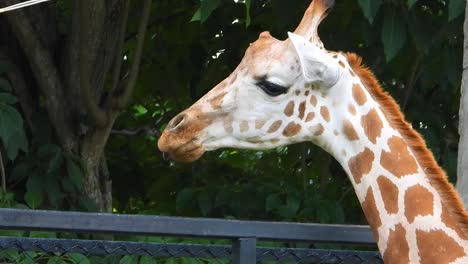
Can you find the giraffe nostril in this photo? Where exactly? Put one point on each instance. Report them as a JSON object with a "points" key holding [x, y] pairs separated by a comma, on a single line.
{"points": [[177, 121]]}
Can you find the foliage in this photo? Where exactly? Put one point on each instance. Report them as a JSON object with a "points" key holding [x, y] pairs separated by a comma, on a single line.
{"points": [[413, 46]]}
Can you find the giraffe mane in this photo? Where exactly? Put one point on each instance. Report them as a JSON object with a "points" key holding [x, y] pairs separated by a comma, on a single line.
{"points": [[437, 176]]}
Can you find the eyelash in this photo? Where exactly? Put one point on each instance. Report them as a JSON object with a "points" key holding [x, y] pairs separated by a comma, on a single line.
{"points": [[272, 89]]}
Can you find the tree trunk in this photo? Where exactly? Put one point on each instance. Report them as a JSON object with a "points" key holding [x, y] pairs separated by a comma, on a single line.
{"points": [[462, 171], [70, 72]]}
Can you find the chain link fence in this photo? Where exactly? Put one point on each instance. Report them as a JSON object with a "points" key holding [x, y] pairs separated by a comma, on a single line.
{"points": [[244, 249]]}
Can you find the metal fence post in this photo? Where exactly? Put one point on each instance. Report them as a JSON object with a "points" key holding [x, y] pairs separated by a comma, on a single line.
{"points": [[244, 251]]}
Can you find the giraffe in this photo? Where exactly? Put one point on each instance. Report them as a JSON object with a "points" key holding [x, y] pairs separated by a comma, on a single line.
{"points": [[290, 91]]}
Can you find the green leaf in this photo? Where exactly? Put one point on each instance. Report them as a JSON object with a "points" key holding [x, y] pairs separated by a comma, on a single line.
{"points": [[248, 19], [11, 131], [33, 199], [140, 110], [8, 98], [42, 234], [56, 260], [455, 8], [74, 173], [370, 8], [205, 10], [204, 202], [273, 201], [184, 198], [147, 260], [129, 260], [79, 258], [52, 155], [393, 33], [5, 85], [411, 3]]}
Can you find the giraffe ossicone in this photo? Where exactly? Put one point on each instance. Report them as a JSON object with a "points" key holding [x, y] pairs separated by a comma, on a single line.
{"points": [[290, 91]]}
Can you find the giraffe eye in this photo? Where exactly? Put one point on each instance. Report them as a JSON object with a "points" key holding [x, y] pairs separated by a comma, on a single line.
{"points": [[272, 89]]}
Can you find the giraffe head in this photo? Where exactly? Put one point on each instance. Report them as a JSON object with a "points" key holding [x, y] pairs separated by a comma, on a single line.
{"points": [[271, 99]]}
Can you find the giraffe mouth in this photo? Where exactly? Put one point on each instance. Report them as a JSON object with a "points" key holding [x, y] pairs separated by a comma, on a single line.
{"points": [[181, 151]]}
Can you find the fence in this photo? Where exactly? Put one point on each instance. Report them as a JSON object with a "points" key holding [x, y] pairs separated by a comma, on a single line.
{"points": [[243, 234]]}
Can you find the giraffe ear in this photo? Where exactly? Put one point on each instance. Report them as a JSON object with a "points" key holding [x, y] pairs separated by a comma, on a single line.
{"points": [[317, 65]]}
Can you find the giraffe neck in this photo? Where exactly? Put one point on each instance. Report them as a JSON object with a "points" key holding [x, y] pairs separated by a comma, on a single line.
{"points": [[411, 219]]}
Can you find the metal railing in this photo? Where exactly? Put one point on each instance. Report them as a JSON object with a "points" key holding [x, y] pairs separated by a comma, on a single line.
{"points": [[243, 234]]}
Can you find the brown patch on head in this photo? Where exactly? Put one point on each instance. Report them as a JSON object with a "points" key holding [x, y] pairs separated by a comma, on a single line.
{"points": [[227, 124], [275, 126], [274, 140], [215, 102], [349, 131], [359, 95], [310, 116], [254, 140], [397, 247], [418, 201], [391, 110], [372, 125], [335, 56], [307, 93], [449, 221], [372, 214], [244, 126], [259, 123], [342, 64], [361, 164], [437, 247], [307, 85], [398, 161], [317, 130], [289, 109], [313, 100], [291, 129], [324, 113], [389, 193], [297, 92], [352, 109], [302, 107]]}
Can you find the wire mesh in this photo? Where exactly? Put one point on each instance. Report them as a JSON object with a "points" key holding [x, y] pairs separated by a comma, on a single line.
{"points": [[37, 250]]}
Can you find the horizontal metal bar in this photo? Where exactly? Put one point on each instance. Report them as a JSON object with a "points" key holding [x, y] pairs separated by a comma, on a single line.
{"points": [[106, 248], [14, 219]]}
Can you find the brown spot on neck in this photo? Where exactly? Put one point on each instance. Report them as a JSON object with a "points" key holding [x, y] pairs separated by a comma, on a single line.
{"points": [[310, 116], [291, 129], [289, 110], [275, 126], [317, 129], [389, 192], [397, 247], [352, 109], [302, 107], [372, 125], [418, 201], [349, 131], [359, 95], [313, 100], [215, 102], [372, 213], [244, 126], [361, 164], [324, 113], [398, 161], [259, 123], [342, 64], [436, 246]]}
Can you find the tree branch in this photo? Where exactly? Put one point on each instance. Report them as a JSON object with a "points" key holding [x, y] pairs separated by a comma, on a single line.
{"points": [[45, 72], [97, 115], [121, 100], [119, 53], [147, 131]]}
